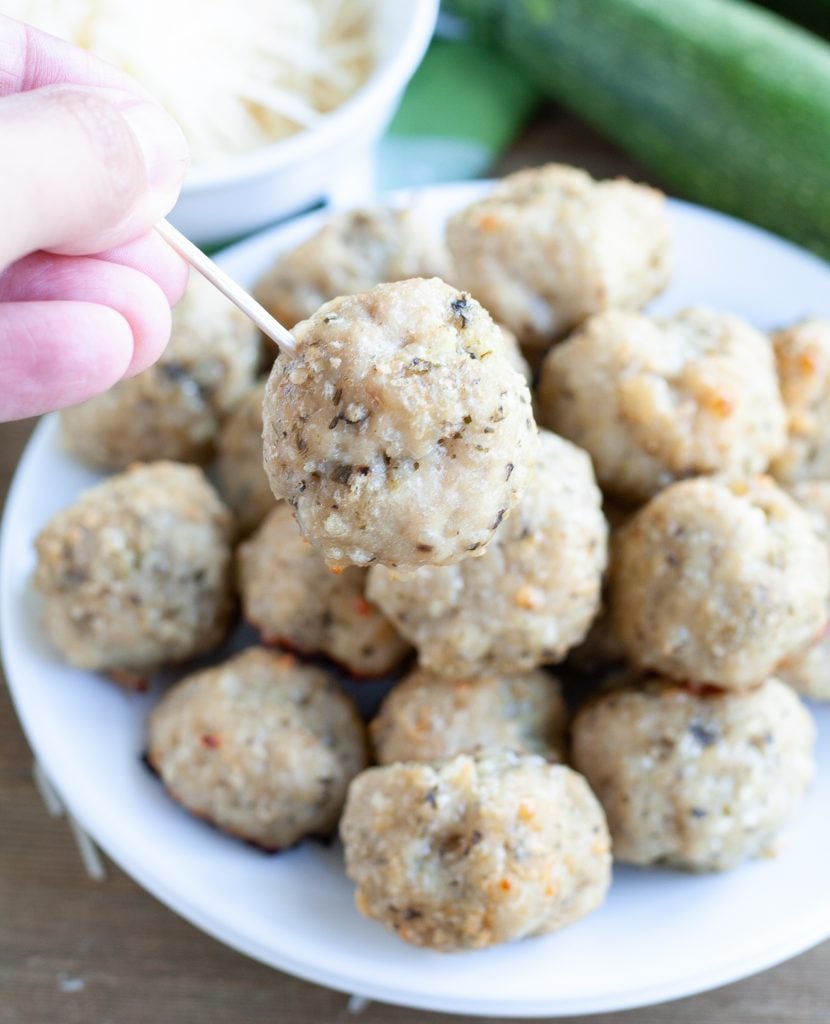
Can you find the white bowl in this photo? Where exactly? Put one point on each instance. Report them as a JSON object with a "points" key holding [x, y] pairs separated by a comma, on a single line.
{"points": [[236, 195]]}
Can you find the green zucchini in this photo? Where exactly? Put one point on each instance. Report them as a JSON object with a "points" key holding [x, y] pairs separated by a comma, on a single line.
{"points": [[723, 101]]}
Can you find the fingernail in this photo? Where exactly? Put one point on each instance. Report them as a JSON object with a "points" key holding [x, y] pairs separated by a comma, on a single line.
{"points": [[162, 144]]}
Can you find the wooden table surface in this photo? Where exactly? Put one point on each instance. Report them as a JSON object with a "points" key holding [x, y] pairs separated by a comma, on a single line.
{"points": [[75, 951]]}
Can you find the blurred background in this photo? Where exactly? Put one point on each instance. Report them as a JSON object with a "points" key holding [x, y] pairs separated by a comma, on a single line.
{"points": [[288, 104]]}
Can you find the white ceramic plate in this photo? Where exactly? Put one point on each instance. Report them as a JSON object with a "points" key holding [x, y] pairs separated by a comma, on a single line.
{"points": [[661, 934]]}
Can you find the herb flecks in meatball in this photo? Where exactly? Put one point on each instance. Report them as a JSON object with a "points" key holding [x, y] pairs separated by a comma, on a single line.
{"points": [[549, 246], [391, 429], [261, 746], [352, 252], [430, 718], [136, 573], [529, 598], [802, 355], [293, 599], [718, 581], [475, 851], [700, 780], [653, 400]]}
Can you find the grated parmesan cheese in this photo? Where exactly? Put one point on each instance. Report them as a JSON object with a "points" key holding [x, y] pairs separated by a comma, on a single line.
{"points": [[234, 75]]}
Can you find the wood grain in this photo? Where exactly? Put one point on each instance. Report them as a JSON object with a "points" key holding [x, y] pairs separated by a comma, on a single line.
{"points": [[78, 952]]}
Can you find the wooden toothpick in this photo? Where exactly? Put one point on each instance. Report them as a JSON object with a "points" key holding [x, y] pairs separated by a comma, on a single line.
{"points": [[227, 286]]}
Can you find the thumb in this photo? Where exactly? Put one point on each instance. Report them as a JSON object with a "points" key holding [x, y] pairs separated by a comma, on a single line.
{"points": [[85, 169]]}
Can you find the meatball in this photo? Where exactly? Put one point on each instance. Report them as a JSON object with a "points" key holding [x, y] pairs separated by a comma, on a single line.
{"points": [[136, 574], [697, 779], [476, 851], [352, 252], [513, 353], [802, 354], [718, 582], [655, 400], [240, 474], [174, 409], [808, 671], [260, 746], [529, 598], [399, 432], [430, 718], [549, 246], [292, 598]]}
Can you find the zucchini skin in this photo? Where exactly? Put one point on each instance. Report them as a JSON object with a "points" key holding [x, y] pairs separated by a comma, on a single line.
{"points": [[722, 100]]}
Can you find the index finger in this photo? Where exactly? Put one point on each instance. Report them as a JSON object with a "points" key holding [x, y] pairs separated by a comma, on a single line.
{"points": [[30, 59]]}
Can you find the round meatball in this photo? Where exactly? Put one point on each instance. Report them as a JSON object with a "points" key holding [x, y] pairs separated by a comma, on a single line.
{"points": [[549, 246], [529, 598], [293, 599], [476, 851], [352, 252], [240, 474], [657, 400], [808, 671], [718, 582], [260, 746], [431, 718], [697, 779], [137, 573], [399, 432], [802, 354], [174, 409]]}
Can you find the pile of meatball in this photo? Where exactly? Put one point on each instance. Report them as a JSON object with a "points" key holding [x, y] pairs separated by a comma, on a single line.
{"points": [[392, 500]]}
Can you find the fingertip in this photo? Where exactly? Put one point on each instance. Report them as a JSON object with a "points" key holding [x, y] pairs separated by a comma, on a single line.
{"points": [[154, 258], [115, 348], [139, 300], [57, 353], [152, 333], [179, 278]]}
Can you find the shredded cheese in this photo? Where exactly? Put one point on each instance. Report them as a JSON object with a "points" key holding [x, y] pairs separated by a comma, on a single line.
{"points": [[234, 75]]}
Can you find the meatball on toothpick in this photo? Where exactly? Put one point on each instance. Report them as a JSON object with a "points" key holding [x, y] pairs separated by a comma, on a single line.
{"points": [[398, 432]]}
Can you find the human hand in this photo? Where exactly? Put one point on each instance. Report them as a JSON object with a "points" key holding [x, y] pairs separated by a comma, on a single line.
{"points": [[90, 163]]}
